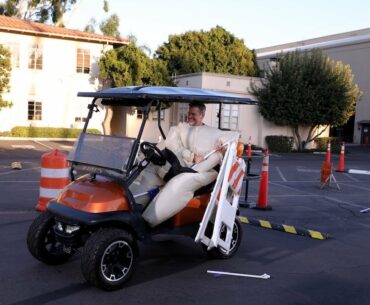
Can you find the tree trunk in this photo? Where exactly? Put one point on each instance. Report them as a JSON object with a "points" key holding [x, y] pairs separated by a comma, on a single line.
{"points": [[297, 137], [310, 138]]}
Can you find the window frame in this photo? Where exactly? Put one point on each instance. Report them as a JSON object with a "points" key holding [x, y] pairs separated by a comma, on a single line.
{"points": [[83, 61], [34, 113], [35, 58]]}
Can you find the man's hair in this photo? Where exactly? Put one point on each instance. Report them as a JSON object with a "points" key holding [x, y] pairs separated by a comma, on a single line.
{"points": [[199, 105]]}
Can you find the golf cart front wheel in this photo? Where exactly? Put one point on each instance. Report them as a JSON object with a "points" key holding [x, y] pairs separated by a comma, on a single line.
{"points": [[109, 258], [43, 243], [236, 239]]}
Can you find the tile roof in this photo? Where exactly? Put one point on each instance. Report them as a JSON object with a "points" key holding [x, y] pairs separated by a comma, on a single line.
{"points": [[21, 26]]}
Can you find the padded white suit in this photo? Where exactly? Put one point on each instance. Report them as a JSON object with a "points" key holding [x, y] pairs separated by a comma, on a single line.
{"points": [[185, 141]]}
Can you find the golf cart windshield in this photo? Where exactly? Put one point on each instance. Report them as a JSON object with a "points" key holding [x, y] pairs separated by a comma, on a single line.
{"points": [[107, 152]]}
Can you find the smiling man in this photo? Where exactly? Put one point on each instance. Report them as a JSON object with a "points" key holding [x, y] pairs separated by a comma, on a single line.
{"points": [[196, 114]]}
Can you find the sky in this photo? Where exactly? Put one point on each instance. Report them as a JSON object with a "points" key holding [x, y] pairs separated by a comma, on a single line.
{"points": [[260, 23]]}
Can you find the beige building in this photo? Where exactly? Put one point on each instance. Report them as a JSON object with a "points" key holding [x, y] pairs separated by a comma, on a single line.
{"points": [[49, 66], [352, 48]]}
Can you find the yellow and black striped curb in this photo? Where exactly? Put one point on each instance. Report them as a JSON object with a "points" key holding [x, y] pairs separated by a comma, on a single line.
{"points": [[284, 228]]}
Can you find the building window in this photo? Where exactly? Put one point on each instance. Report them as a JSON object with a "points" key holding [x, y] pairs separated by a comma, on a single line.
{"points": [[79, 119], [83, 61], [155, 115], [139, 114], [228, 84], [14, 51], [35, 58], [183, 110], [34, 111], [230, 117]]}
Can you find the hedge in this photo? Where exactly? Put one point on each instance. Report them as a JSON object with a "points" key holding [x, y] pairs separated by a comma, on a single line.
{"points": [[322, 143], [48, 132], [279, 143]]}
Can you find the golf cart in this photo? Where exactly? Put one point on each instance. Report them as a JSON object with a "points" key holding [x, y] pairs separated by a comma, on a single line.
{"points": [[98, 213]]}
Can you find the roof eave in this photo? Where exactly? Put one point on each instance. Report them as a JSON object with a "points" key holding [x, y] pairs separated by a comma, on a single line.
{"points": [[63, 36]]}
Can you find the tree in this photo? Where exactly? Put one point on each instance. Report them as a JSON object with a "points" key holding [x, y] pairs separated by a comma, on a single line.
{"points": [[90, 27], [5, 70], [110, 26], [37, 10], [129, 65], [206, 51], [309, 90]]}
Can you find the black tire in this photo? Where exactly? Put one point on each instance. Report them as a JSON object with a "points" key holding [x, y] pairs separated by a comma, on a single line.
{"points": [[42, 242], [109, 258], [219, 253]]}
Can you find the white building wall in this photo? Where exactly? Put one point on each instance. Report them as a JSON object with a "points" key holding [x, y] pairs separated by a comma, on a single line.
{"points": [[56, 85]]}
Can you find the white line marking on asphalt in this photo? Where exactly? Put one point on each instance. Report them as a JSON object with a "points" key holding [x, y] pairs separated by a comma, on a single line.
{"points": [[42, 144], [356, 186], [281, 174], [66, 147], [23, 146], [306, 170], [323, 196], [352, 178], [19, 171], [344, 202], [358, 171]]}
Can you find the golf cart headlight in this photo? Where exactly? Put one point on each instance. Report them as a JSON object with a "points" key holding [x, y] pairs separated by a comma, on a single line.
{"points": [[70, 229]]}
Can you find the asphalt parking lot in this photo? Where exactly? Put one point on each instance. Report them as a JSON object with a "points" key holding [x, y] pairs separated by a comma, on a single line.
{"points": [[174, 271]]}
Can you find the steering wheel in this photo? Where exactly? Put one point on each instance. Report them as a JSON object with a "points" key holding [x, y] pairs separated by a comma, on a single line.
{"points": [[152, 153]]}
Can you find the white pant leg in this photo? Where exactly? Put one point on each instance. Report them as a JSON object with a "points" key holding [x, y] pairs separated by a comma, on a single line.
{"points": [[175, 195]]}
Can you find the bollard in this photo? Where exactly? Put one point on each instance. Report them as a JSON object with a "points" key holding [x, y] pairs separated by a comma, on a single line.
{"points": [[341, 159], [263, 191], [54, 177]]}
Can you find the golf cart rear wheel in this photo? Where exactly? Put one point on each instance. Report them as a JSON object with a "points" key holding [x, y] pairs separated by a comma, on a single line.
{"points": [[236, 239], [109, 258], [43, 244]]}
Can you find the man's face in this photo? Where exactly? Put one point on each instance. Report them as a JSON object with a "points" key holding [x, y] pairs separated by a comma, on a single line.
{"points": [[195, 117]]}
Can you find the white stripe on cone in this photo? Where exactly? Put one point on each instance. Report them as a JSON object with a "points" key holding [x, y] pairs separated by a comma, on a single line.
{"points": [[49, 193], [54, 172]]}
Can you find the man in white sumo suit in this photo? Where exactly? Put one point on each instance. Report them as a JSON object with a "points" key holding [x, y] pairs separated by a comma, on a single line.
{"points": [[190, 143]]}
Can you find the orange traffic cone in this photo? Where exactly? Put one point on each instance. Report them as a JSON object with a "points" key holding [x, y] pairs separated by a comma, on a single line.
{"points": [[263, 191], [341, 159], [328, 154], [54, 177], [249, 151]]}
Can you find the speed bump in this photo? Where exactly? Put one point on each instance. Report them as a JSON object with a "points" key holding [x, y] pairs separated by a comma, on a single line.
{"points": [[284, 228]]}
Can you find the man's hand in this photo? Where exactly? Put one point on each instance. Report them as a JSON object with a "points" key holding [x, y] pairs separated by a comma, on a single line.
{"points": [[198, 159]]}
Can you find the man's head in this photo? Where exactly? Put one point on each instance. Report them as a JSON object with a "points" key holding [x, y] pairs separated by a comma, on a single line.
{"points": [[196, 113]]}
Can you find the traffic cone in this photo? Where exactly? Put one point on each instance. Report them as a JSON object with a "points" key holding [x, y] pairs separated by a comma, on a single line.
{"points": [[54, 177], [249, 151], [341, 159], [263, 191], [328, 154]]}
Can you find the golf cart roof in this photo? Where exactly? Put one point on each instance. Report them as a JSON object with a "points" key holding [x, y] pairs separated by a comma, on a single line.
{"points": [[134, 95]]}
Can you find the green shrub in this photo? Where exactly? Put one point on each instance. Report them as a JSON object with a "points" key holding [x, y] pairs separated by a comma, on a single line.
{"points": [[48, 132], [279, 143], [322, 143], [5, 134]]}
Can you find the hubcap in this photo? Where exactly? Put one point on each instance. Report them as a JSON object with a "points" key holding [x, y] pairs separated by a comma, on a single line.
{"points": [[116, 261], [234, 237]]}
